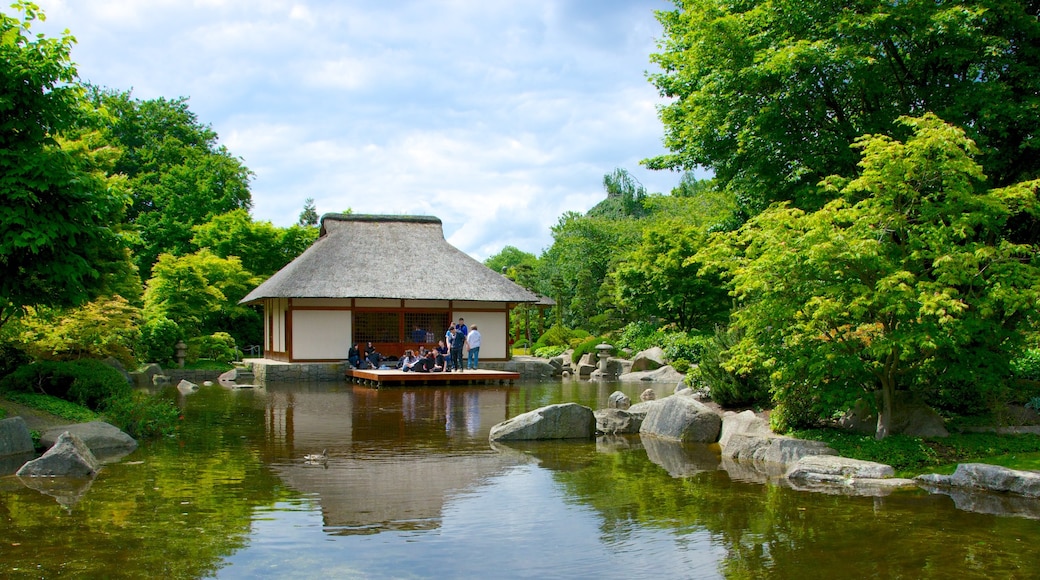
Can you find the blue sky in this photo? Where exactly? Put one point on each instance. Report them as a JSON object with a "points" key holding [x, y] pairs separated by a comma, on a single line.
{"points": [[495, 116]]}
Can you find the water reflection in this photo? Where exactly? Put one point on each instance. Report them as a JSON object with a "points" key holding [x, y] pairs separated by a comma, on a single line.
{"points": [[413, 488]]}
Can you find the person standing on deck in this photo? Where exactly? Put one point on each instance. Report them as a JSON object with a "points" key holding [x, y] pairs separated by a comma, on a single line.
{"points": [[458, 340], [473, 340]]}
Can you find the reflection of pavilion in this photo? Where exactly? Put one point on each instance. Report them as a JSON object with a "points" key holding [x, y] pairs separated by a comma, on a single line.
{"points": [[395, 455]]}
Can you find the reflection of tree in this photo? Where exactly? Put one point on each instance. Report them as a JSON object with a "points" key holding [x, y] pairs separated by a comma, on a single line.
{"points": [[771, 531], [173, 509]]}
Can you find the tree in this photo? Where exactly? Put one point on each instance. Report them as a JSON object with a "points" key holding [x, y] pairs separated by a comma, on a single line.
{"points": [[309, 215], [263, 248], [180, 175], [661, 279], [909, 269], [770, 95], [57, 206]]}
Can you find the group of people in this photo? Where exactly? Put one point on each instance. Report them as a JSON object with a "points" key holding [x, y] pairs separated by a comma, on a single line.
{"points": [[445, 357]]}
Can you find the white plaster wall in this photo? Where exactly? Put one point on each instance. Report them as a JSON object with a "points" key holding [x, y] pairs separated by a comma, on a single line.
{"points": [[321, 334], [492, 331]]}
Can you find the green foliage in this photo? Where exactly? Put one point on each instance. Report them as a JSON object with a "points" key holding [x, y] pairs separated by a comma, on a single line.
{"points": [[729, 388], [638, 335], [681, 365], [625, 197], [589, 345], [219, 346], [549, 351], [911, 455], [262, 248], [143, 415], [557, 335], [58, 206], [1027, 365], [12, 356], [746, 82], [86, 382], [904, 277], [159, 336], [108, 326], [309, 215], [1034, 404], [58, 407], [683, 346]]}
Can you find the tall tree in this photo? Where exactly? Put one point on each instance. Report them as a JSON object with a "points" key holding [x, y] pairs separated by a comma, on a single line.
{"points": [[179, 174], [908, 270], [263, 248], [57, 205], [309, 215], [770, 94]]}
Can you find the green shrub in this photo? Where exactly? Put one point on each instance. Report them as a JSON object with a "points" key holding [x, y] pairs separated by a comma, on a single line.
{"points": [[549, 351], [558, 335], [588, 345], [637, 336], [86, 382], [1034, 404], [1027, 365], [682, 345], [219, 346], [158, 337], [143, 415], [681, 366], [727, 388], [54, 406], [11, 357]]}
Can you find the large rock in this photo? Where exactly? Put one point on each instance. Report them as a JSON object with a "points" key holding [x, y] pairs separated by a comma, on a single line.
{"points": [[617, 421], [837, 469], [103, 439], [665, 374], [744, 423], [989, 478], [561, 421], [772, 449], [186, 387], [112, 362], [68, 457], [15, 438], [615, 368], [143, 378], [910, 416], [681, 418], [618, 400], [648, 360]]}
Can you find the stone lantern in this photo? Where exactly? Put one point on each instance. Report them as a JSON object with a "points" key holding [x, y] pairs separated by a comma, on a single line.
{"points": [[181, 350], [603, 351]]}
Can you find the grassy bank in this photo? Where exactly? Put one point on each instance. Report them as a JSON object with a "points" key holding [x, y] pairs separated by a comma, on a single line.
{"points": [[911, 456]]}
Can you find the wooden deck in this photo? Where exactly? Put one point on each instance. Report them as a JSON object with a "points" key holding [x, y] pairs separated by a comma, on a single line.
{"points": [[379, 378]]}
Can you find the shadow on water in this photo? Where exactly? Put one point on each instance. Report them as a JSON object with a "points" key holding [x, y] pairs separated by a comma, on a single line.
{"points": [[412, 487]]}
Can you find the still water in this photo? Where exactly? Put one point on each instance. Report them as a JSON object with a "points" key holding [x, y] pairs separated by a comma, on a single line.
{"points": [[413, 489]]}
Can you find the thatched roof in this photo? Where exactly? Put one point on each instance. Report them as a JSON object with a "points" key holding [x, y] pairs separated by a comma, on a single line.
{"points": [[387, 256]]}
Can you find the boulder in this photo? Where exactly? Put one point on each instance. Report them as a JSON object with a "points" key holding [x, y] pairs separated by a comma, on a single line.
{"points": [[683, 419], [143, 377], [15, 438], [910, 416], [833, 468], [112, 362], [187, 387], [225, 377], [744, 423], [989, 478], [772, 448], [648, 360], [561, 421], [68, 457], [617, 421], [103, 439], [618, 400], [665, 374], [615, 368], [647, 395]]}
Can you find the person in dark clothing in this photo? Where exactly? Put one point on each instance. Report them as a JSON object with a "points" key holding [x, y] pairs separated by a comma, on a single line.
{"points": [[458, 340], [424, 364], [354, 356]]}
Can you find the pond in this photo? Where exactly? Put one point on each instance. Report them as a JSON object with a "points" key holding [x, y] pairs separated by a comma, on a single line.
{"points": [[413, 489]]}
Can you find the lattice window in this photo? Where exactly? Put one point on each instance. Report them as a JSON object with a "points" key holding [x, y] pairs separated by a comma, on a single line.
{"points": [[425, 327], [377, 327]]}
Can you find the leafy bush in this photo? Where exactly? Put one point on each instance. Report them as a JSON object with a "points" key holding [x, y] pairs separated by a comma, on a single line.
{"points": [[637, 336], [53, 405], [682, 345], [549, 351], [558, 335], [158, 337], [588, 345], [681, 366], [88, 382], [11, 357], [1034, 404], [219, 346], [1027, 366], [143, 415], [106, 327], [727, 388]]}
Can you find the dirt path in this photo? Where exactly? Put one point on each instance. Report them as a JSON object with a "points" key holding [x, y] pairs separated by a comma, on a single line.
{"points": [[36, 420]]}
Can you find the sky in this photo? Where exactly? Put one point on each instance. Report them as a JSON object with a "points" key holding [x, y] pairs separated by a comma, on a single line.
{"points": [[496, 116]]}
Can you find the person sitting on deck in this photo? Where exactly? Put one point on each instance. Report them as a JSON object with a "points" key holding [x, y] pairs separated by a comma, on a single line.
{"points": [[440, 362], [408, 360], [354, 355], [373, 356], [424, 364]]}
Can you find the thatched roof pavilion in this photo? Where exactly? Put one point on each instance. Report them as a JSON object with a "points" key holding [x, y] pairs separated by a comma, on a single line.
{"points": [[383, 279]]}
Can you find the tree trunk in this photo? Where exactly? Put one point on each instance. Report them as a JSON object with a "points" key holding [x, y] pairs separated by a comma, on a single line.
{"points": [[884, 416]]}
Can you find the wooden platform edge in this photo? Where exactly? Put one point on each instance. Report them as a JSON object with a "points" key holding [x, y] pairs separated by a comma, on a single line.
{"points": [[381, 378]]}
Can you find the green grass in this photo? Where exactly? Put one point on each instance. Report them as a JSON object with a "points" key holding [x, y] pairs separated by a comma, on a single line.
{"points": [[911, 456], [53, 405]]}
